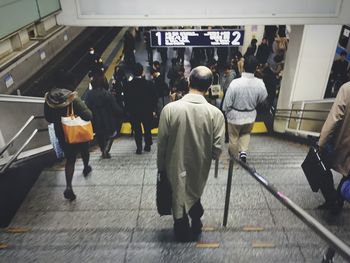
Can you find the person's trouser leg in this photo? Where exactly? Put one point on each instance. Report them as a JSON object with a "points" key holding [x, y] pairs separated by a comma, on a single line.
{"points": [[136, 124], [226, 130], [182, 229], [71, 154], [69, 169], [244, 137], [196, 212], [108, 145], [85, 154], [147, 123], [101, 141], [327, 188], [233, 133]]}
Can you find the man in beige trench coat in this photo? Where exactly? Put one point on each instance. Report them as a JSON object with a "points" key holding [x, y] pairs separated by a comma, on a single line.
{"points": [[334, 145], [191, 134]]}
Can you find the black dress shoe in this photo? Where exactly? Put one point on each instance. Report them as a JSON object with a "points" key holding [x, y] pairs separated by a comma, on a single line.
{"points": [[69, 194], [138, 151], [106, 155], [196, 228], [147, 148], [87, 170], [325, 206], [337, 207]]}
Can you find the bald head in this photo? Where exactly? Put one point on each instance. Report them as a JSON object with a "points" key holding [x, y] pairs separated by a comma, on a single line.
{"points": [[201, 78]]}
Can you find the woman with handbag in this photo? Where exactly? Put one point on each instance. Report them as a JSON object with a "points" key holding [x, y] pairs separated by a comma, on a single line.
{"points": [[58, 102], [106, 112]]}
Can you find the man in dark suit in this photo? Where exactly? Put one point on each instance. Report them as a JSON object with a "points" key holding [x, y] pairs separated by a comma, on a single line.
{"points": [[141, 103]]}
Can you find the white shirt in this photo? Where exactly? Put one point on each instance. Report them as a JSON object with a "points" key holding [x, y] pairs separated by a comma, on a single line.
{"points": [[242, 97]]}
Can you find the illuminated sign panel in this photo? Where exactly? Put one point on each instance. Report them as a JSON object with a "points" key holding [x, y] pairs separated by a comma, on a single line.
{"points": [[197, 38]]}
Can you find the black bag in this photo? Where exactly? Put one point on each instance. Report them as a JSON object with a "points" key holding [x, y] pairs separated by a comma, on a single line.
{"points": [[164, 200], [314, 169], [155, 122]]}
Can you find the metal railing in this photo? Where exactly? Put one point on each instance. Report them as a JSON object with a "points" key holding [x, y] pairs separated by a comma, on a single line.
{"points": [[20, 131], [31, 118], [290, 111], [335, 244]]}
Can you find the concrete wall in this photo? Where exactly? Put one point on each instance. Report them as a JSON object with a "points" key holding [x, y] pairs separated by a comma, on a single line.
{"points": [[307, 65], [5, 47], [316, 52], [23, 69]]}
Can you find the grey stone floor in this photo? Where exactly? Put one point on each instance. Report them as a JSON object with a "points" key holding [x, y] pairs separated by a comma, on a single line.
{"points": [[114, 218]]}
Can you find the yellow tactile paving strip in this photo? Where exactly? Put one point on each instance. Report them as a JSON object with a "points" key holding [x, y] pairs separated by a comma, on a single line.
{"points": [[115, 61], [259, 127]]}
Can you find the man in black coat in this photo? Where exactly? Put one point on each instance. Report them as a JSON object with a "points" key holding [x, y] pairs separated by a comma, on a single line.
{"points": [[141, 103], [263, 51]]}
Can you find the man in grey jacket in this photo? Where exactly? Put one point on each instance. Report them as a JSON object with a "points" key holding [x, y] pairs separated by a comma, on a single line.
{"points": [[190, 135], [241, 100]]}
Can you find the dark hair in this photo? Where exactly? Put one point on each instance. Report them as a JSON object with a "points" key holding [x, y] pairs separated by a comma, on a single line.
{"points": [[119, 72], [250, 64], [227, 66], [201, 78], [281, 31], [137, 69], [156, 63], [238, 55], [343, 53], [99, 80], [253, 41], [65, 80]]}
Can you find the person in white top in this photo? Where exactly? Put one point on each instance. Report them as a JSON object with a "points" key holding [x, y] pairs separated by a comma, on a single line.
{"points": [[241, 100]]}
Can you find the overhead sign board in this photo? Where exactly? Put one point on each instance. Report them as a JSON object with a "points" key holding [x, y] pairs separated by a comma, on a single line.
{"points": [[197, 38]]}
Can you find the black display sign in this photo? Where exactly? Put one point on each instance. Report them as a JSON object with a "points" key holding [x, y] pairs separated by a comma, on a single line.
{"points": [[197, 38]]}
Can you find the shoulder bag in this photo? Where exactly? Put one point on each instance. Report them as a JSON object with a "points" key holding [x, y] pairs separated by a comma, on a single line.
{"points": [[314, 169], [164, 194], [75, 129]]}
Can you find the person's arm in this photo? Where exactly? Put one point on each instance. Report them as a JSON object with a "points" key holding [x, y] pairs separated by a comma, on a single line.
{"points": [[218, 135], [226, 106], [116, 109], [163, 134], [263, 94], [334, 118], [50, 115], [82, 110]]}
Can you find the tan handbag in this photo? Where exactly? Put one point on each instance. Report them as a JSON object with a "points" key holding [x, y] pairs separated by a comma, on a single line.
{"points": [[75, 129]]}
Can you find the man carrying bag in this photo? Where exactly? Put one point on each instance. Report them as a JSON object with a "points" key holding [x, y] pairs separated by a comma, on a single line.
{"points": [[334, 147]]}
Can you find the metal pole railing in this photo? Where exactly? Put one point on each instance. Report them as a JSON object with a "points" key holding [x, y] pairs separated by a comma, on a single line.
{"points": [[14, 157], [324, 111], [228, 192], [335, 243], [216, 168], [298, 118], [31, 118]]}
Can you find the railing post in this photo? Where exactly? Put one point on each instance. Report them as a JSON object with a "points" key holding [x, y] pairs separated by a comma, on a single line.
{"points": [[228, 192], [328, 257], [216, 168]]}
